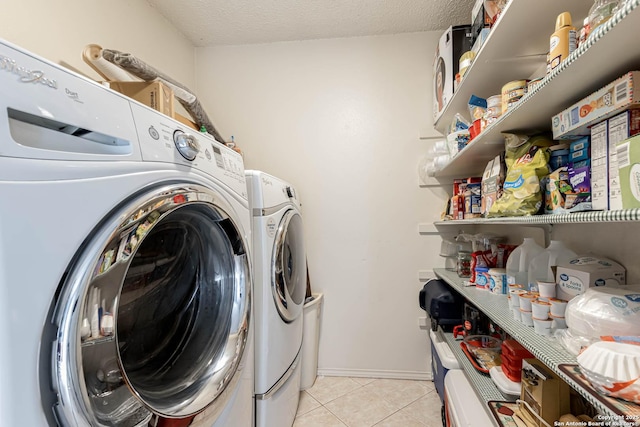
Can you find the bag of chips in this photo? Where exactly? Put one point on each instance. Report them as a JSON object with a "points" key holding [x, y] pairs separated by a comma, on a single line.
{"points": [[527, 163]]}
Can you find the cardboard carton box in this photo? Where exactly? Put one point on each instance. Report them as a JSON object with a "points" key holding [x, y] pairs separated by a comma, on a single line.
{"points": [[579, 274], [621, 127], [615, 97], [628, 158], [457, 206], [472, 200], [481, 17], [156, 95], [546, 393], [599, 166], [492, 181], [185, 121], [453, 43], [579, 145]]}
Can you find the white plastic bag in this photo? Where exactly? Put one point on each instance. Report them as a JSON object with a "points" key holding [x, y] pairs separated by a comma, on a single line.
{"points": [[605, 311]]}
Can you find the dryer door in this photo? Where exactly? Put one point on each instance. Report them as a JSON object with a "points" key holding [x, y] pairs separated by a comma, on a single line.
{"points": [[153, 316], [289, 267]]}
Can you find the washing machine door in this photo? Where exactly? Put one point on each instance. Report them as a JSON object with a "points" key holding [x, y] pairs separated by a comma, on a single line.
{"points": [[289, 267], [153, 317]]}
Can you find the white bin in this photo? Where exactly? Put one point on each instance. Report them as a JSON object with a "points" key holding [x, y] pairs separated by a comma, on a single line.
{"points": [[310, 341]]}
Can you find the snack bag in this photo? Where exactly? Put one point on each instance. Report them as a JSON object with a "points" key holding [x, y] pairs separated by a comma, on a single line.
{"points": [[522, 192], [568, 189]]}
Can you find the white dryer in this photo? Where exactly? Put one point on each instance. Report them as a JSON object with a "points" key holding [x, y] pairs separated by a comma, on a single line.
{"points": [[124, 260], [280, 277]]}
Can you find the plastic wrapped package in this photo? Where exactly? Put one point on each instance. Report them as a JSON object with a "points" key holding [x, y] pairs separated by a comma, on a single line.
{"points": [[458, 140], [605, 311], [613, 368], [458, 123], [487, 250], [571, 342], [477, 107], [527, 163], [601, 12]]}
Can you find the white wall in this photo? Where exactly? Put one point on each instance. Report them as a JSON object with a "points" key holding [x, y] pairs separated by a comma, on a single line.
{"points": [[59, 30], [341, 120]]}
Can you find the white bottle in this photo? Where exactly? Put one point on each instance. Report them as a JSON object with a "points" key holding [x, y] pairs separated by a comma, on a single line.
{"points": [[518, 261], [540, 266]]}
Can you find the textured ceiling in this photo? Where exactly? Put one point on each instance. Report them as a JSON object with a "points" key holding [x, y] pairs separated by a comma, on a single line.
{"points": [[233, 22]]}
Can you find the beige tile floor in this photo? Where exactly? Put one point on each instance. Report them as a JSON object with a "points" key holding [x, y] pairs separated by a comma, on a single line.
{"points": [[368, 402]]}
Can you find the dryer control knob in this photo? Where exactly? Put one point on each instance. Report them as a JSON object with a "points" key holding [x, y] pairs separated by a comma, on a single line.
{"points": [[186, 144]]}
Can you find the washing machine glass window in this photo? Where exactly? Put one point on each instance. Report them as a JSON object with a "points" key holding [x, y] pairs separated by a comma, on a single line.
{"points": [[153, 317], [289, 267]]}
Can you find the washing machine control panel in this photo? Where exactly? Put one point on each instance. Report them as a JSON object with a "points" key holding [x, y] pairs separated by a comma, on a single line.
{"points": [[163, 139], [187, 144]]}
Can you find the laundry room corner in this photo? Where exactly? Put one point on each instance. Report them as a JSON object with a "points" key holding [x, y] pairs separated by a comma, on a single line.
{"points": [[341, 119]]}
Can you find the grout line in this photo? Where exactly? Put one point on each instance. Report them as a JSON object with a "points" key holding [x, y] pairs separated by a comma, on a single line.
{"points": [[427, 393]]}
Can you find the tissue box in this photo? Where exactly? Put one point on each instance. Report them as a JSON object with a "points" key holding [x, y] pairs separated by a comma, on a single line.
{"points": [[579, 274], [615, 97]]}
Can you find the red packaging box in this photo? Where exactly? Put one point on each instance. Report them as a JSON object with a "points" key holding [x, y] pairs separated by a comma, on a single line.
{"points": [[515, 351], [513, 374], [512, 354], [457, 206]]}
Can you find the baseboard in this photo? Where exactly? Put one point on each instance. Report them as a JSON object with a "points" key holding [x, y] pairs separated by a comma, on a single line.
{"points": [[364, 373]]}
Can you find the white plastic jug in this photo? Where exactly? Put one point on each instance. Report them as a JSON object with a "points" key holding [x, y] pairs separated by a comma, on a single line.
{"points": [[518, 261], [540, 266]]}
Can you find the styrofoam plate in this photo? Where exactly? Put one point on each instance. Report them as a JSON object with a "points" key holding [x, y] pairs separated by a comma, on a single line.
{"points": [[504, 384]]}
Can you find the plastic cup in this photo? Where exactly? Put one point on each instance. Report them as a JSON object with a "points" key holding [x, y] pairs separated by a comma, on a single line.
{"points": [[517, 314], [525, 300], [526, 316], [540, 309], [558, 307], [558, 322], [547, 289], [542, 326], [514, 295], [514, 286]]}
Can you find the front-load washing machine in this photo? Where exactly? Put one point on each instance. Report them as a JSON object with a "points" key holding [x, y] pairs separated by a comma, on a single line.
{"points": [[124, 260], [280, 278]]}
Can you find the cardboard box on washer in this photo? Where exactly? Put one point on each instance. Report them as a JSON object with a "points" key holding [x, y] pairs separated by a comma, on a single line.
{"points": [[156, 95]]}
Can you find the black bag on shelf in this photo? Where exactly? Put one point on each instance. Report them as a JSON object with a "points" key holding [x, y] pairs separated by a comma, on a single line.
{"points": [[443, 305], [475, 321]]}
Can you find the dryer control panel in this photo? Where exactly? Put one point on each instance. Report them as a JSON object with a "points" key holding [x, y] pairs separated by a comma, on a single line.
{"points": [[268, 191], [163, 139]]}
